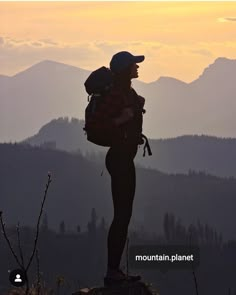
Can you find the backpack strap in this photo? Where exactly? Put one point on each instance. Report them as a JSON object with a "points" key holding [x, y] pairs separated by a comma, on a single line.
{"points": [[146, 146]]}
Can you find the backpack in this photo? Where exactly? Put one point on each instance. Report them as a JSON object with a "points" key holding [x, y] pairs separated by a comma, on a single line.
{"points": [[99, 81], [97, 85], [98, 128]]}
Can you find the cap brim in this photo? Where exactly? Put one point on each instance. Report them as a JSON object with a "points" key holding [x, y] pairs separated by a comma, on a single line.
{"points": [[139, 58]]}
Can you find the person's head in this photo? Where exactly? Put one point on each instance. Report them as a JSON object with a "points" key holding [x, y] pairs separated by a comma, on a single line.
{"points": [[124, 65]]}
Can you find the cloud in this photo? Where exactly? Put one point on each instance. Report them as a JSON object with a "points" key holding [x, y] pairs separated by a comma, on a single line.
{"points": [[109, 48], [203, 52], [1, 41], [156, 47], [21, 43], [226, 19], [9, 43], [22, 53], [48, 41], [231, 19], [183, 61], [36, 44]]}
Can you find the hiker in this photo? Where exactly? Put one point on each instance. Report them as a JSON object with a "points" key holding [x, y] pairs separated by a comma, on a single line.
{"points": [[120, 158]]}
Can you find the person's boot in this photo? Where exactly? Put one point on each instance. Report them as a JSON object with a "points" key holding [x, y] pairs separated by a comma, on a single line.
{"points": [[116, 277]]}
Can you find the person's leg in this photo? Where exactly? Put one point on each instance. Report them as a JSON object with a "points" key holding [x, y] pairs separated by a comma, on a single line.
{"points": [[122, 173]]}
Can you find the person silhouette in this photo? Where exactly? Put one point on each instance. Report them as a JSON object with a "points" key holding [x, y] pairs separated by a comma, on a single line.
{"points": [[18, 279], [120, 159]]}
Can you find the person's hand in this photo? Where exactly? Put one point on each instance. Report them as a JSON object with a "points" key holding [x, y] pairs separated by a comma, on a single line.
{"points": [[141, 100], [126, 115]]}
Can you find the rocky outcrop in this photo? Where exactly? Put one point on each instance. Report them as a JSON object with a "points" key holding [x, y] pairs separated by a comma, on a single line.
{"points": [[137, 288]]}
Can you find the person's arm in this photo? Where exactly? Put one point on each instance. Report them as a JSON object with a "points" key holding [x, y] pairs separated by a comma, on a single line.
{"points": [[115, 109], [141, 100], [126, 115]]}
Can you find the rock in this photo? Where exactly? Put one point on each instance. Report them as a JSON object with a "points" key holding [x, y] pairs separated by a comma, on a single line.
{"points": [[137, 288]]}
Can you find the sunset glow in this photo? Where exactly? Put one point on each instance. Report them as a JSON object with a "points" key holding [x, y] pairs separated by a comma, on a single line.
{"points": [[178, 39]]}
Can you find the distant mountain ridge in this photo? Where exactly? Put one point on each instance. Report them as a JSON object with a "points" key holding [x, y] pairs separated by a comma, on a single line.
{"points": [[77, 187], [50, 89], [213, 155], [218, 69], [51, 67]]}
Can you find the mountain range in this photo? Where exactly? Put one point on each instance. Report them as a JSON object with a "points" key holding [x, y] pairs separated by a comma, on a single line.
{"points": [[50, 89], [216, 156], [77, 187]]}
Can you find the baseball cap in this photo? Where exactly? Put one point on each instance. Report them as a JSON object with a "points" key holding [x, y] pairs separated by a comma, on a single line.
{"points": [[123, 59]]}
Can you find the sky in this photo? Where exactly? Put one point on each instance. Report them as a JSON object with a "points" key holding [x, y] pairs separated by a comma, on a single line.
{"points": [[178, 39]]}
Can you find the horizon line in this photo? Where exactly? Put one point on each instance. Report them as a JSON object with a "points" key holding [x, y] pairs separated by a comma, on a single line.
{"points": [[59, 62]]}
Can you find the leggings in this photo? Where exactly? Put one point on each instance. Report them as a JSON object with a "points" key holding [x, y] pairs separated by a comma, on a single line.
{"points": [[120, 165]]}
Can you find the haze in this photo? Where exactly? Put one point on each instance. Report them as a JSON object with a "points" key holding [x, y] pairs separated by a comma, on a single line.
{"points": [[179, 39]]}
